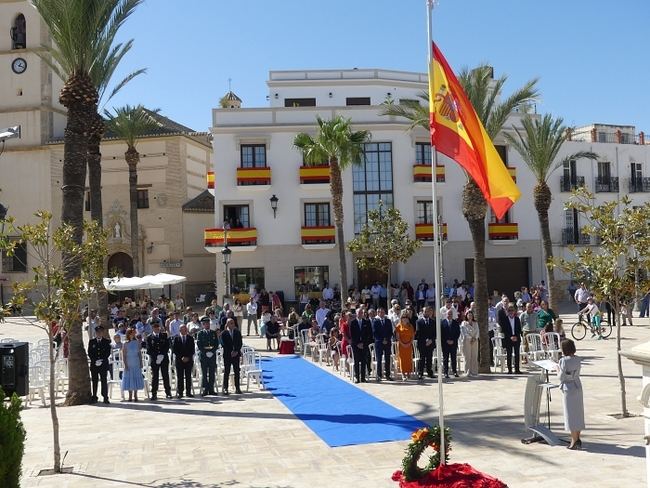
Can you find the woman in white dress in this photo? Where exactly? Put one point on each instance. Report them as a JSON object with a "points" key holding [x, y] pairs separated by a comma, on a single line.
{"points": [[469, 334], [571, 387]]}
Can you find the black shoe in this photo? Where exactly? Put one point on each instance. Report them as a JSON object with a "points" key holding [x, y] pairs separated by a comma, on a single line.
{"points": [[154, 398], [357, 380], [238, 391], [179, 396], [455, 375], [93, 400], [446, 376], [168, 396], [204, 393], [430, 374], [510, 372], [212, 393], [420, 377], [225, 392], [106, 401], [190, 395], [518, 372], [389, 378]]}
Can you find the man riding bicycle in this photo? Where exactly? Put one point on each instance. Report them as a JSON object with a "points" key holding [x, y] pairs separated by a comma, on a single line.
{"points": [[592, 310]]}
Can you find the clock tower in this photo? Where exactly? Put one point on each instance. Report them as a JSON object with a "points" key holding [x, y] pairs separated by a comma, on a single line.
{"points": [[30, 90]]}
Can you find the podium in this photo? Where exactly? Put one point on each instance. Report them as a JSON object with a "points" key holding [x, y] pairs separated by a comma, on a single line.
{"points": [[536, 385]]}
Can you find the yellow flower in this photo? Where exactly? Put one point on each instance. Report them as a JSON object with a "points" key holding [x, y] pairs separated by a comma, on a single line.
{"points": [[420, 434]]}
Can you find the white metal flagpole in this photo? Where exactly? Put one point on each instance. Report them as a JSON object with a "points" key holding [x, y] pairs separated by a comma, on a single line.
{"points": [[436, 246]]}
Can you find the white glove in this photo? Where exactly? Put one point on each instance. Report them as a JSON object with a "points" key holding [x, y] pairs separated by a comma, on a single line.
{"points": [[159, 358], [209, 354], [98, 362]]}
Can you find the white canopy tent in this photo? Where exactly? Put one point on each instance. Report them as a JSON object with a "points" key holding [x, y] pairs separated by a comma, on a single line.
{"points": [[147, 282]]}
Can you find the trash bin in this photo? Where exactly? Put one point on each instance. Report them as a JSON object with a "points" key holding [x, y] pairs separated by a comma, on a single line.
{"points": [[14, 368]]}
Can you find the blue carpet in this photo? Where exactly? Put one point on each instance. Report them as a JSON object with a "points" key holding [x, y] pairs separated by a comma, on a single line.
{"points": [[337, 411]]}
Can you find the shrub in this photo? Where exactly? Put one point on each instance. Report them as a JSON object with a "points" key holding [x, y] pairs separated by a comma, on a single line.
{"points": [[12, 441]]}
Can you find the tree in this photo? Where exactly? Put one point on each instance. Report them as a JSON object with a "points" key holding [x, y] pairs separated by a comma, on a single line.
{"points": [[538, 145], [609, 269], [484, 93], [131, 123], [12, 447], [59, 297], [339, 146], [83, 32], [383, 241]]}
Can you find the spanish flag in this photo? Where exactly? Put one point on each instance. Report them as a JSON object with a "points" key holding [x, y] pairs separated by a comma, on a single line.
{"points": [[457, 132]]}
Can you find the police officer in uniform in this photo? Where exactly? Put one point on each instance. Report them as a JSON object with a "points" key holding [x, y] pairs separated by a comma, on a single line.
{"points": [[208, 343], [99, 350], [158, 351]]}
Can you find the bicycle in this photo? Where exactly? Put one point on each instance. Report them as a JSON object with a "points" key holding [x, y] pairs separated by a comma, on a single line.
{"points": [[579, 329]]}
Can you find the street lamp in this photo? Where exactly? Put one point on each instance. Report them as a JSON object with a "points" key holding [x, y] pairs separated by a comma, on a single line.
{"points": [[274, 204], [225, 254], [3, 216]]}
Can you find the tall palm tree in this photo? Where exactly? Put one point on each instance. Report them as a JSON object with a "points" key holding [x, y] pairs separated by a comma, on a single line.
{"points": [[340, 146], [83, 32], [131, 123], [484, 93], [538, 144]]}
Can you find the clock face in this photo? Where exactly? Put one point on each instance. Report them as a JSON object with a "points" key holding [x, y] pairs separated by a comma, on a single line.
{"points": [[19, 65]]}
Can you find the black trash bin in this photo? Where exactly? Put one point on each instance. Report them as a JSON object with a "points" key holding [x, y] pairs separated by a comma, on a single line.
{"points": [[14, 368]]}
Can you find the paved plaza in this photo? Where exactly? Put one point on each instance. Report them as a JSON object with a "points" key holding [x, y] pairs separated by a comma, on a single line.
{"points": [[254, 441]]}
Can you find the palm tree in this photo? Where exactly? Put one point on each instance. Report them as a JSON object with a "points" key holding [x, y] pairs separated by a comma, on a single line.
{"points": [[83, 33], [483, 92], [538, 145], [131, 123], [340, 146]]}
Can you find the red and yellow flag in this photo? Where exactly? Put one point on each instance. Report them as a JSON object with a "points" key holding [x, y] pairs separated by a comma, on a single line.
{"points": [[457, 132]]}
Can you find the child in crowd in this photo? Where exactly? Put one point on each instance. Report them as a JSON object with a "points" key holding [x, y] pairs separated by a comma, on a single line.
{"points": [[557, 327]]}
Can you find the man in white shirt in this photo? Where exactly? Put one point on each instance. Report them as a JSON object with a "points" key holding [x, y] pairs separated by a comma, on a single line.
{"points": [[328, 293], [394, 312], [375, 290], [503, 304], [92, 321], [251, 313], [321, 314], [175, 325], [448, 306], [581, 296]]}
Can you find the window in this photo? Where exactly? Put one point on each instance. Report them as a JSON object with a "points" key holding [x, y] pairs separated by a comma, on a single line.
{"points": [[236, 216], [625, 138], [317, 215], [372, 181], [299, 102], [17, 263], [19, 33], [310, 278], [87, 202], [505, 220], [636, 172], [503, 153], [143, 198], [423, 153], [424, 212], [253, 156], [602, 137], [242, 280], [604, 171], [357, 101]]}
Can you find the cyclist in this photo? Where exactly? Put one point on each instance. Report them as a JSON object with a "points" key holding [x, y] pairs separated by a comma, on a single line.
{"points": [[592, 310]]}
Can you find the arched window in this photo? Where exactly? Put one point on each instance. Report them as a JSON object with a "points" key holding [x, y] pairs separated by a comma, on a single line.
{"points": [[19, 33]]}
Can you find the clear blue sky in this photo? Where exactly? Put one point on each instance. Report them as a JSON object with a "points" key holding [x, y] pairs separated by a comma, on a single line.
{"points": [[592, 56]]}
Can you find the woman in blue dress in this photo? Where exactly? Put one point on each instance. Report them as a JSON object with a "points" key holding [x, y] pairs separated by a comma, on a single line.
{"points": [[131, 356]]}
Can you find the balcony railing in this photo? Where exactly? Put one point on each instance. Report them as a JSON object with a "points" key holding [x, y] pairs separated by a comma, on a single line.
{"points": [[314, 174], [318, 235], [253, 176], [210, 180], [246, 236], [513, 173], [424, 232], [574, 237], [606, 185], [503, 232], [570, 184], [422, 173], [639, 185]]}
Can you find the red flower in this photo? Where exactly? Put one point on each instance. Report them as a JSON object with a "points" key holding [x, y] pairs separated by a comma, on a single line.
{"points": [[397, 475]]}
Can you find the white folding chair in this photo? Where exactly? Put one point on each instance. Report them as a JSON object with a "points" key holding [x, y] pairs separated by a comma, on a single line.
{"points": [[535, 348], [553, 340], [117, 368], [373, 360], [253, 368], [349, 361], [304, 338], [321, 350], [499, 353], [416, 355], [37, 384]]}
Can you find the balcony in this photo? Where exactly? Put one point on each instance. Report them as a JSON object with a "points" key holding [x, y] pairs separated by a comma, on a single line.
{"points": [[570, 184], [513, 173], [422, 173], [606, 184], [313, 175], [574, 237], [424, 232], [243, 239], [323, 237], [259, 177], [503, 232], [639, 185], [210, 180]]}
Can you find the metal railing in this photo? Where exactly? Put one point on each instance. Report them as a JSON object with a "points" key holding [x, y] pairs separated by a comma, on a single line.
{"points": [[606, 184], [639, 185], [572, 236], [570, 184]]}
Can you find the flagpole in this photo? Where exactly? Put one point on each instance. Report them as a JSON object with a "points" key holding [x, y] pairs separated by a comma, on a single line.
{"points": [[436, 247]]}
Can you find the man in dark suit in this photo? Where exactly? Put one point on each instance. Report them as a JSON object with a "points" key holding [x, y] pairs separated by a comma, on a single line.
{"points": [[232, 344], [425, 334], [382, 331], [511, 330], [208, 343], [184, 353], [450, 332], [99, 350], [158, 351], [361, 337]]}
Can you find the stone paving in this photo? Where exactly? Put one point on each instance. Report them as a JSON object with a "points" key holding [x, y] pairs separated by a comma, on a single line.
{"points": [[254, 441]]}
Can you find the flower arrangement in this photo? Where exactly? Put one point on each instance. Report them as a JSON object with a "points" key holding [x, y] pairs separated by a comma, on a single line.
{"points": [[420, 440]]}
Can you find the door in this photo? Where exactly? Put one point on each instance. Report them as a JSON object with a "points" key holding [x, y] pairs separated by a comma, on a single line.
{"points": [[506, 275]]}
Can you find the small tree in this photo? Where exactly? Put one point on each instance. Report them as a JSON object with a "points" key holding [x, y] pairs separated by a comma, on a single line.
{"points": [[59, 300], [383, 241], [12, 441], [609, 270]]}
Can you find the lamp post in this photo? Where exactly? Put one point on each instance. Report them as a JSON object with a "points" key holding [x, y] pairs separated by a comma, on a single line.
{"points": [[274, 204], [3, 216], [225, 254]]}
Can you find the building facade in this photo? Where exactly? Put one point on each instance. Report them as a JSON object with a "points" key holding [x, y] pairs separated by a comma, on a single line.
{"points": [[293, 246]]}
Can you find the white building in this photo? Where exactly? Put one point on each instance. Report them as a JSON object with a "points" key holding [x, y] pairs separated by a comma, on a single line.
{"points": [[254, 160]]}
